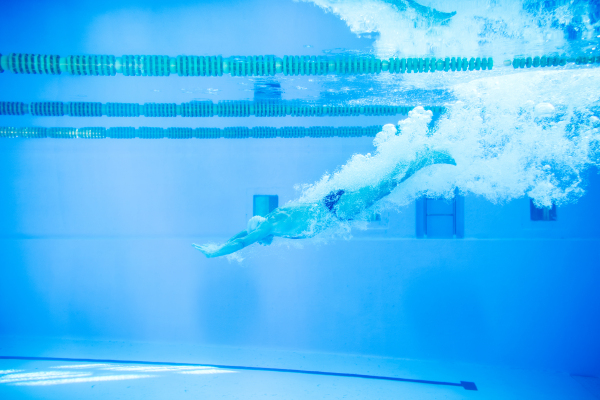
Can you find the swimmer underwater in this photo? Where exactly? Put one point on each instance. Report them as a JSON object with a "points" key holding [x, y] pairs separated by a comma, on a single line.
{"points": [[302, 221]]}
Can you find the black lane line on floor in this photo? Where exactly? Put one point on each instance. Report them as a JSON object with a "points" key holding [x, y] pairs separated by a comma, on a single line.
{"points": [[465, 385]]}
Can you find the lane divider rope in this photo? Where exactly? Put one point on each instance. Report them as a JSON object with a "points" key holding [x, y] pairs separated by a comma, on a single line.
{"points": [[551, 61], [234, 108], [269, 65], [189, 133]]}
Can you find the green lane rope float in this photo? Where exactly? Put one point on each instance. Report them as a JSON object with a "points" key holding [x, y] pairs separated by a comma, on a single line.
{"points": [[233, 108], [146, 65], [551, 61], [98, 65], [189, 133]]}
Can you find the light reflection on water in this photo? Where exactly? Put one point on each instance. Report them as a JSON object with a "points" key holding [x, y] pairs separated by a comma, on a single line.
{"points": [[80, 373]]}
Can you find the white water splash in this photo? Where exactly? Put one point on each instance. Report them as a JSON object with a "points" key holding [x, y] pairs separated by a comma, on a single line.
{"points": [[529, 134], [498, 28]]}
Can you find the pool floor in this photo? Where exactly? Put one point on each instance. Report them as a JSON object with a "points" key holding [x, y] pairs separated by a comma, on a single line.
{"points": [[187, 374]]}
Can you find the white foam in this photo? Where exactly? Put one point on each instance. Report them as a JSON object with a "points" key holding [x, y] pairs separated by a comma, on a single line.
{"points": [[388, 132], [525, 134], [501, 28], [544, 109], [529, 134]]}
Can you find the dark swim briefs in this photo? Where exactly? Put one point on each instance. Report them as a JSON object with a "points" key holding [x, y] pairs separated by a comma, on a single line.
{"points": [[331, 200]]}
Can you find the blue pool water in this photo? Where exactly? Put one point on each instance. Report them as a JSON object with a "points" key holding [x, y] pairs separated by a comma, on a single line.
{"points": [[474, 280]]}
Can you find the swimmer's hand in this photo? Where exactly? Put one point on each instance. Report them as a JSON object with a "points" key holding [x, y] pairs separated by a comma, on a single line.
{"points": [[206, 249]]}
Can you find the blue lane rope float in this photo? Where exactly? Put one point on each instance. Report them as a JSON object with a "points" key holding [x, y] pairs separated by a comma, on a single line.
{"points": [[189, 133], [234, 108], [129, 65]]}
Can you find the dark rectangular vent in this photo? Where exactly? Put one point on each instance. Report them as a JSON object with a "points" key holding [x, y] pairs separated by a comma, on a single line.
{"points": [[263, 204], [542, 213], [440, 218]]}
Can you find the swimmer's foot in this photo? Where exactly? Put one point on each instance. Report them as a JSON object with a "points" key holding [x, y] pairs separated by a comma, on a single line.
{"points": [[426, 159]]}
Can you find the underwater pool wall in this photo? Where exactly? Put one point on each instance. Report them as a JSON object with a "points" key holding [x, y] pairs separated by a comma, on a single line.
{"points": [[96, 243]]}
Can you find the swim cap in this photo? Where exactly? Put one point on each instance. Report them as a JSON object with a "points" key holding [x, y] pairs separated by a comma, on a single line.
{"points": [[254, 222]]}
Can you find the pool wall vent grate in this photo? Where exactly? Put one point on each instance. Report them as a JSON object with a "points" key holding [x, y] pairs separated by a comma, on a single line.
{"points": [[441, 218], [189, 133], [263, 204], [541, 213], [228, 108]]}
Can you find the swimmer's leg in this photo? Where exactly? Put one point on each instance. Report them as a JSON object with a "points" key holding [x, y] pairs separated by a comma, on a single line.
{"points": [[425, 159]]}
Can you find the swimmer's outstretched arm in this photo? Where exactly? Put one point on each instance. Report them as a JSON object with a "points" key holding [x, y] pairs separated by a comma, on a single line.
{"points": [[239, 235], [238, 242]]}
